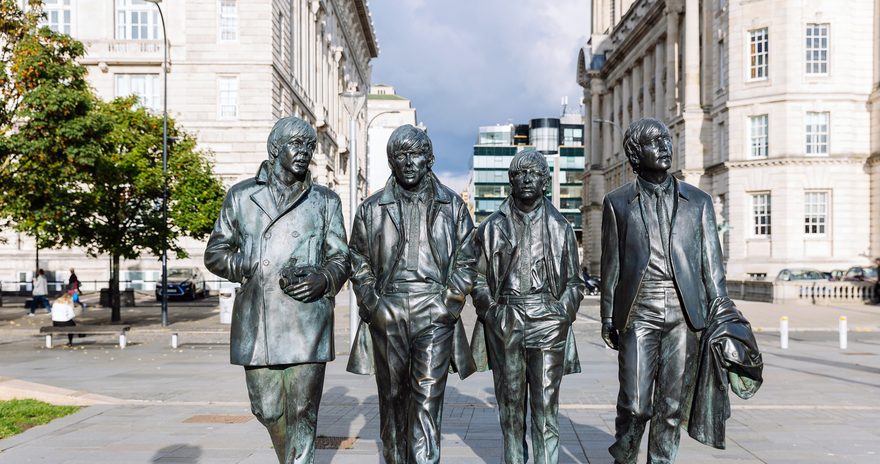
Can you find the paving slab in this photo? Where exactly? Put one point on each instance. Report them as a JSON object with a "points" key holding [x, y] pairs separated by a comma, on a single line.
{"points": [[149, 403]]}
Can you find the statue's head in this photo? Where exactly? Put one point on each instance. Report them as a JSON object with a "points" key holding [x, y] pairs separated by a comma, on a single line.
{"points": [[529, 175], [292, 143], [648, 146], [410, 155]]}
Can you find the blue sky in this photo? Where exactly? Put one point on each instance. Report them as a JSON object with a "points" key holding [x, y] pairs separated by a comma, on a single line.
{"points": [[465, 64]]}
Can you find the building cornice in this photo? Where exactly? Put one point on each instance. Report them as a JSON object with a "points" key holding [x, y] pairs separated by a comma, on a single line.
{"points": [[631, 29], [797, 161], [367, 27]]}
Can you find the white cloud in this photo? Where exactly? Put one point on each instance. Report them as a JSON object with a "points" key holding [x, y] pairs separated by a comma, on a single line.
{"points": [[458, 182], [466, 64]]}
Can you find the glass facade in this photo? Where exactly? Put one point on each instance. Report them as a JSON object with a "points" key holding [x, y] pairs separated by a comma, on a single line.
{"points": [[492, 159]]}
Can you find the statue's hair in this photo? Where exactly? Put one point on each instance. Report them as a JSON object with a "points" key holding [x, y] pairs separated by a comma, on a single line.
{"points": [[409, 138], [529, 158], [637, 134], [284, 130]]}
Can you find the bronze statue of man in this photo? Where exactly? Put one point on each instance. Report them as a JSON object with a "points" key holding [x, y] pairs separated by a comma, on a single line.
{"points": [[662, 269], [412, 264], [527, 294], [278, 229]]}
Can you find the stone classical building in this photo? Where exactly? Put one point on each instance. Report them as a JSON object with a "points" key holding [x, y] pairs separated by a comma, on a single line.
{"points": [[774, 109], [235, 67], [386, 111]]}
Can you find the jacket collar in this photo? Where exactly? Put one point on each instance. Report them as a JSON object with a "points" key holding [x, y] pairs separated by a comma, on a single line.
{"points": [[635, 190], [263, 197], [440, 193]]}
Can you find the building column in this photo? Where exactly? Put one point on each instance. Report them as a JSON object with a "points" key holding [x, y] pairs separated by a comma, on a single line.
{"points": [[647, 76], [659, 87], [626, 101], [692, 54], [615, 110], [596, 88], [671, 58], [636, 91]]}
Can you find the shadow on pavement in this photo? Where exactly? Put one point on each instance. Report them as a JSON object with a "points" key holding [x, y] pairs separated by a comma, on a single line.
{"points": [[367, 409], [179, 453]]}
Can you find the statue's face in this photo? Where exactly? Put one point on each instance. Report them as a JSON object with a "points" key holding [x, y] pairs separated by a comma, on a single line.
{"points": [[656, 154], [528, 184], [410, 167], [296, 154]]}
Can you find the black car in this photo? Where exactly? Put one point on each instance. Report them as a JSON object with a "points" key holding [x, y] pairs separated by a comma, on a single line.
{"points": [[184, 282]]}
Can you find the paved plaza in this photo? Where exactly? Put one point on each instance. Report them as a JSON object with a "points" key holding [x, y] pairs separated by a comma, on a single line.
{"points": [[150, 403]]}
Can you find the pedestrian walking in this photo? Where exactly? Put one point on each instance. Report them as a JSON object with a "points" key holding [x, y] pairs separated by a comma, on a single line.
{"points": [[40, 293], [62, 314], [877, 282], [73, 289]]}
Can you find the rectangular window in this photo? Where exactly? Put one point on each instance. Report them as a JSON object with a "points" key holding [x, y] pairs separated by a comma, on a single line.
{"points": [[145, 87], [722, 65], [815, 213], [758, 137], [57, 15], [817, 49], [228, 20], [761, 214], [759, 54], [816, 132], [227, 97], [137, 20]]}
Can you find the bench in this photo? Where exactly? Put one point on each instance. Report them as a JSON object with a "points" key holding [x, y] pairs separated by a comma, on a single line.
{"points": [[175, 332], [87, 330]]}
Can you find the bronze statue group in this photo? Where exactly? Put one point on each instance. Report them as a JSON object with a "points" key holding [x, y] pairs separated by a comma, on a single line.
{"points": [[414, 256]]}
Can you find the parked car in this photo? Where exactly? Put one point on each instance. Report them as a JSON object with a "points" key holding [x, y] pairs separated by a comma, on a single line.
{"points": [[837, 274], [593, 283], [786, 275], [861, 273], [186, 282]]}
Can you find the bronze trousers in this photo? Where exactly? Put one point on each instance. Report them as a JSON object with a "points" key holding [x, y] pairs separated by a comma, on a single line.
{"points": [[285, 399], [525, 338], [656, 369], [412, 344]]}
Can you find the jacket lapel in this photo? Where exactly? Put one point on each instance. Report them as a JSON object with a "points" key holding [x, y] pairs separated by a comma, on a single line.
{"points": [[389, 204], [263, 197]]}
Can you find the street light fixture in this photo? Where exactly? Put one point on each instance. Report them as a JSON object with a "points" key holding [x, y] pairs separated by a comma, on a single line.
{"points": [[355, 101], [164, 166]]}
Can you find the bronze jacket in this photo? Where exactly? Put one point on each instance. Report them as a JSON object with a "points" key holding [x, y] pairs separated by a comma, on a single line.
{"points": [[495, 241], [376, 249], [697, 265], [268, 326]]}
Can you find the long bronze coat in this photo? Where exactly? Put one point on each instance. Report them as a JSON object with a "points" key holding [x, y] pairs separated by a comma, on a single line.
{"points": [[495, 241], [268, 326], [376, 250], [697, 265]]}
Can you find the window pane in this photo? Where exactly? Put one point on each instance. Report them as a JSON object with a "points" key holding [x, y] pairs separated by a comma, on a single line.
{"points": [[816, 49], [759, 55]]}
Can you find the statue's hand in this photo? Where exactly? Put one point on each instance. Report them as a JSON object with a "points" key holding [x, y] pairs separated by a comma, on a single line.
{"points": [[310, 287], [610, 335]]}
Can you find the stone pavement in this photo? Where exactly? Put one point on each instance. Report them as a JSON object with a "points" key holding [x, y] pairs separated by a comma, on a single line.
{"points": [[149, 403]]}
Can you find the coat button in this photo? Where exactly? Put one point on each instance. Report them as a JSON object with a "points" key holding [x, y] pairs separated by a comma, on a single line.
{"points": [[265, 262], [295, 234], [268, 235]]}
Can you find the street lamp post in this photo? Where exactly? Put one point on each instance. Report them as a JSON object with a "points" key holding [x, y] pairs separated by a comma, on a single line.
{"points": [[355, 101], [164, 292], [370, 123]]}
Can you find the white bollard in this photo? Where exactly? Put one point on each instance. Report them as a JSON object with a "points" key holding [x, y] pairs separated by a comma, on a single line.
{"points": [[49, 341], [174, 341], [122, 342], [841, 326], [783, 332]]}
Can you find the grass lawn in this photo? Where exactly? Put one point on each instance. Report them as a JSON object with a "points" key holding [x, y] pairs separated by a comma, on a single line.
{"points": [[16, 416]]}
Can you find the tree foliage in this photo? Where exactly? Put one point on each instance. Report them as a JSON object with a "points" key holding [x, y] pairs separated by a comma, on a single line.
{"points": [[78, 171]]}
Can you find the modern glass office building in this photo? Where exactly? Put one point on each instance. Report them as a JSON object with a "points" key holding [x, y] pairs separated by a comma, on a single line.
{"points": [[560, 140]]}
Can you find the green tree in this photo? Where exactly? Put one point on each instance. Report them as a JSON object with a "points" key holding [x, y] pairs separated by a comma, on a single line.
{"points": [[119, 210], [76, 171], [50, 134]]}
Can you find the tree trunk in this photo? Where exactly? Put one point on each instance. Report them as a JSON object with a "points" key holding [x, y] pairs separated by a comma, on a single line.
{"points": [[115, 313]]}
